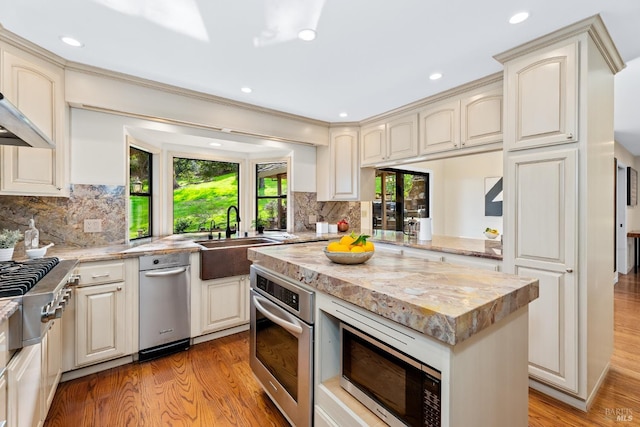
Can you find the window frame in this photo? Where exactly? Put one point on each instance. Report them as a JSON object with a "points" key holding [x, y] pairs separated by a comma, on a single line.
{"points": [[148, 194]]}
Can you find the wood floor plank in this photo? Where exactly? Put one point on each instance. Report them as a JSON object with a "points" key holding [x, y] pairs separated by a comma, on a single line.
{"points": [[211, 384]]}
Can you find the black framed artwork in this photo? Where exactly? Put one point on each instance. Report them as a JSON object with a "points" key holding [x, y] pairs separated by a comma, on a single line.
{"points": [[632, 187]]}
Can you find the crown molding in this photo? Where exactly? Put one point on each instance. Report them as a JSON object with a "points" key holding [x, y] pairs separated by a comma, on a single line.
{"points": [[18, 42], [593, 26]]}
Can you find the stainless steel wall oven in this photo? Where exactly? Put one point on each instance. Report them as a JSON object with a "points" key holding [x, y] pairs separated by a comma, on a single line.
{"points": [[281, 346]]}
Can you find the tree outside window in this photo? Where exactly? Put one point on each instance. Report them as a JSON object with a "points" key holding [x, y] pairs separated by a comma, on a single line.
{"points": [[203, 190], [140, 195], [271, 195]]}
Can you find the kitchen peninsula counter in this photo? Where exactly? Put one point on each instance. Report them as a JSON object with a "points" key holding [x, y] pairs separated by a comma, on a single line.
{"points": [[445, 301]]}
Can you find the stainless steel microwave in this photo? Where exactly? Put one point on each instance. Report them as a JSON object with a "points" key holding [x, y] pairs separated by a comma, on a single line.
{"points": [[397, 388]]}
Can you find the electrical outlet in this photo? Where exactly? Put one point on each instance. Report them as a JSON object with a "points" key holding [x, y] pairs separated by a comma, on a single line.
{"points": [[312, 219], [92, 225]]}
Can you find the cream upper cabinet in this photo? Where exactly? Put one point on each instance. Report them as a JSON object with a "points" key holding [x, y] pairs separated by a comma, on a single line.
{"points": [[339, 176], [542, 102], [543, 219], [402, 137], [481, 118], [394, 140], [373, 144], [36, 87], [440, 127]]}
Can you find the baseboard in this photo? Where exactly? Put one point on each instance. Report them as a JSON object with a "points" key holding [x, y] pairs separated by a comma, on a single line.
{"points": [[574, 401], [98, 367], [220, 334]]}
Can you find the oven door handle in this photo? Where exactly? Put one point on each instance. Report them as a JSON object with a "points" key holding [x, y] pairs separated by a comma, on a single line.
{"points": [[293, 325]]}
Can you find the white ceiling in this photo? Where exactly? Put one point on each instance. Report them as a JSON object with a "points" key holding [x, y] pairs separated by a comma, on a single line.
{"points": [[370, 56]]}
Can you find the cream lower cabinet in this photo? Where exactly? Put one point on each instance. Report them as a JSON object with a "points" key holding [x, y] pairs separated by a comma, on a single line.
{"points": [[544, 207], [51, 363], [36, 87], [100, 326], [24, 378], [224, 303]]}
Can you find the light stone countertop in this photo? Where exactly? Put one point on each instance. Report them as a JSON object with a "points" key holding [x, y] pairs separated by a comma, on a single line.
{"points": [[7, 308], [445, 301]]}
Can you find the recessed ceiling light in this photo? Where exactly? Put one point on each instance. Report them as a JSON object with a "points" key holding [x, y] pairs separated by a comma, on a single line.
{"points": [[343, 114], [519, 17], [246, 89], [435, 76], [307, 34], [215, 144], [71, 41]]}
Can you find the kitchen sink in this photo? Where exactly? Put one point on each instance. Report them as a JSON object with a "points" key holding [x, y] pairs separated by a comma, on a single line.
{"points": [[228, 257]]}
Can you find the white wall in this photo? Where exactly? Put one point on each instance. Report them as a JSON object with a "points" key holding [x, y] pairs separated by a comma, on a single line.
{"points": [[457, 194]]}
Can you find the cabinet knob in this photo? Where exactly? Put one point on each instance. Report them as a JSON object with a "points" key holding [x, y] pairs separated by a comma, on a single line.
{"points": [[119, 288], [569, 136], [569, 270]]}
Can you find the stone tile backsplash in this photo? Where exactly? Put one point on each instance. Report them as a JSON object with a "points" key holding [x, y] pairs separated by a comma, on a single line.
{"points": [[61, 220]]}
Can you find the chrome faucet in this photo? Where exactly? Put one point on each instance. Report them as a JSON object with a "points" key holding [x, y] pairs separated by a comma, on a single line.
{"points": [[228, 231]]}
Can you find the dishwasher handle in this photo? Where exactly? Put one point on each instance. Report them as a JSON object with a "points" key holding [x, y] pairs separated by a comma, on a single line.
{"points": [[165, 273], [292, 325]]}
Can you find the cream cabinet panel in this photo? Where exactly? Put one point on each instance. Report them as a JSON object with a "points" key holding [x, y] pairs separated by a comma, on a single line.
{"points": [[544, 220], [543, 98], [553, 328], [100, 325], [440, 127], [225, 303], [3, 397], [51, 363], [24, 379], [374, 144], [402, 138], [37, 89], [339, 175], [481, 119]]}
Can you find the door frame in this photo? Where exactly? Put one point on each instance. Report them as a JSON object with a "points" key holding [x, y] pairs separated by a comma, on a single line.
{"points": [[621, 221]]}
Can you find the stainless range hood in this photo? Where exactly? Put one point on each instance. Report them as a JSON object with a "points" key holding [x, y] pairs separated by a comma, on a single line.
{"points": [[16, 129]]}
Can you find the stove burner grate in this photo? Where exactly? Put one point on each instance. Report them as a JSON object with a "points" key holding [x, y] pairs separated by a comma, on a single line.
{"points": [[17, 278]]}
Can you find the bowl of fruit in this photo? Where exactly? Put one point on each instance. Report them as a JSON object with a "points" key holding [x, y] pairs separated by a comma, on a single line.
{"points": [[350, 249], [491, 233]]}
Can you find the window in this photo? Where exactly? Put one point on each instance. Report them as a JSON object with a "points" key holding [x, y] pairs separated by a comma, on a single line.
{"points": [[140, 199], [400, 195], [271, 195], [203, 190]]}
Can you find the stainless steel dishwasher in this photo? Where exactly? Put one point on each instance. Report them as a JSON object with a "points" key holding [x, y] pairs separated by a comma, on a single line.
{"points": [[164, 307]]}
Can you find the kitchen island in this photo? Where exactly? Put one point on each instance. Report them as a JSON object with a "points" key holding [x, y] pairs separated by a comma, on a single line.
{"points": [[469, 324]]}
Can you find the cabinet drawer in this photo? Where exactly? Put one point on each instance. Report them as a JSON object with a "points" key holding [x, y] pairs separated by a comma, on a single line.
{"points": [[102, 272]]}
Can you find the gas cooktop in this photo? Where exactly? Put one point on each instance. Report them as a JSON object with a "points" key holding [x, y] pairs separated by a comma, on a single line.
{"points": [[17, 278]]}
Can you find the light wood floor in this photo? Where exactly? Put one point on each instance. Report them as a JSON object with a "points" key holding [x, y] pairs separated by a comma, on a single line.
{"points": [[212, 385]]}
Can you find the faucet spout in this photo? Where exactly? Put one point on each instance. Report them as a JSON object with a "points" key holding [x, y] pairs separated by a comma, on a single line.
{"points": [[212, 225], [228, 231]]}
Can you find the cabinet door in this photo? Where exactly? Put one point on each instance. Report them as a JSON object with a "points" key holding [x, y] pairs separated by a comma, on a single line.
{"points": [[373, 147], [3, 399], [51, 363], [225, 303], [440, 128], [481, 119], [402, 138], [36, 88], [542, 99], [344, 165], [100, 327], [24, 376], [543, 220]]}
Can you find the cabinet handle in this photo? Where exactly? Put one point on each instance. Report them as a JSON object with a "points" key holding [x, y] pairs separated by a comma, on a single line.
{"points": [[569, 136], [97, 276], [569, 270]]}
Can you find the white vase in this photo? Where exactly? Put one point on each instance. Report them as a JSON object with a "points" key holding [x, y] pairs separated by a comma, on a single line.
{"points": [[6, 254]]}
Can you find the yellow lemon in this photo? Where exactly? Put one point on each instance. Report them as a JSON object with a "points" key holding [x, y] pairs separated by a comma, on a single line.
{"points": [[337, 247], [357, 249], [368, 247], [347, 240]]}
